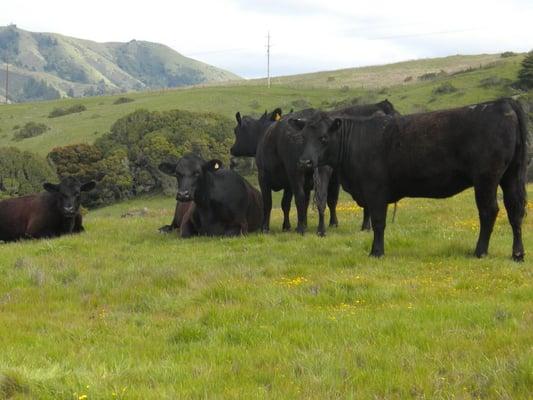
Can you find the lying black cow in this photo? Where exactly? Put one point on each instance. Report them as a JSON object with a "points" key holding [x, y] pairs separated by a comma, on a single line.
{"points": [[47, 214], [224, 202], [383, 159], [277, 147]]}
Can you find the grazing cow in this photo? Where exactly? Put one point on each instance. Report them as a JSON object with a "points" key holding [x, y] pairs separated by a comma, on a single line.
{"points": [[438, 154], [224, 202], [277, 147], [54, 212]]}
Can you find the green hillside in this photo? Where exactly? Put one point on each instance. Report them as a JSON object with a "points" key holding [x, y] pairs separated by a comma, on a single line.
{"points": [[469, 86], [77, 67]]}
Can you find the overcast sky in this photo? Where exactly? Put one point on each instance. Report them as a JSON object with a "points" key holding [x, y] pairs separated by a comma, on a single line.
{"points": [[307, 36]]}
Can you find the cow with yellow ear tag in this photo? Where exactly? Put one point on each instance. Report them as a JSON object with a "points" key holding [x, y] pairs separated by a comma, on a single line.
{"points": [[224, 203]]}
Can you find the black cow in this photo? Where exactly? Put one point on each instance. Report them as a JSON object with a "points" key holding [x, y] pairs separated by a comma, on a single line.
{"points": [[277, 147], [224, 202], [383, 159], [54, 212]]}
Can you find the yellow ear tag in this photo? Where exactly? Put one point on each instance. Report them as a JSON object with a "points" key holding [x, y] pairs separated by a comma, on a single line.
{"points": [[278, 117], [217, 166]]}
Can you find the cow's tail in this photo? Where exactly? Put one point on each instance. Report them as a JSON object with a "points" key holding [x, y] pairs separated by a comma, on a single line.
{"points": [[520, 159]]}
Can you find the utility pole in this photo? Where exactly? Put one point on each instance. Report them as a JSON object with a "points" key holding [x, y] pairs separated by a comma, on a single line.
{"points": [[7, 80], [268, 59]]}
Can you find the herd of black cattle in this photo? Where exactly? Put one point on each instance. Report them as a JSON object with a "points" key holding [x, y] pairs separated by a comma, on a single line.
{"points": [[376, 154]]}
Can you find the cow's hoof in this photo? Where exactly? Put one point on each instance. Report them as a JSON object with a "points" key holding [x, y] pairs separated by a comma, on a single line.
{"points": [[481, 254], [518, 257], [265, 230], [321, 233], [377, 254], [165, 229], [300, 230], [286, 228], [333, 224]]}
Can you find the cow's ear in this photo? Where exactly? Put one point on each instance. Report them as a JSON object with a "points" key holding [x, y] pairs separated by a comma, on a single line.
{"points": [[51, 187], [213, 165], [238, 117], [276, 114], [167, 168], [87, 187], [297, 123], [337, 122]]}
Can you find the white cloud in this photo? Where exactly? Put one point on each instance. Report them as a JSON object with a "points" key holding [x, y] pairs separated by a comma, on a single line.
{"points": [[306, 35]]}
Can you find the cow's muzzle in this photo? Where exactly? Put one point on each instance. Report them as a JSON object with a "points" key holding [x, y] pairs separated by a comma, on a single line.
{"points": [[305, 164], [184, 195]]}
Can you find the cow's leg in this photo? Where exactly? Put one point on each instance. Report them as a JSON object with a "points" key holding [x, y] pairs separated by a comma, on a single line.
{"points": [[487, 205], [333, 198], [286, 207], [321, 178], [514, 198], [301, 198], [378, 213], [78, 224], [173, 225], [366, 220], [266, 192]]}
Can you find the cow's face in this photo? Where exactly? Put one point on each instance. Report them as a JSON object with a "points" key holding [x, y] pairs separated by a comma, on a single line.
{"points": [[248, 131], [67, 194], [189, 171], [318, 136]]}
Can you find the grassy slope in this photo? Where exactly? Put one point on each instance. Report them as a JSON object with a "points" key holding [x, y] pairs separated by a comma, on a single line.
{"points": [[123, 312], [100, 114]]}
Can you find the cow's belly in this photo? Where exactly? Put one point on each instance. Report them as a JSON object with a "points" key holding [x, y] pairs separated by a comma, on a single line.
{"points": [[437, 186]]}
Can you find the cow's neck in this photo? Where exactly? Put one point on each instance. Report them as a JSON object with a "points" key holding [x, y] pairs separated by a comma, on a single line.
{"points": [[261, 131], [202, 192]]}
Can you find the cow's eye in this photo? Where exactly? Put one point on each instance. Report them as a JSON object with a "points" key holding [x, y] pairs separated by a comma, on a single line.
{"points": [[323, 139]]}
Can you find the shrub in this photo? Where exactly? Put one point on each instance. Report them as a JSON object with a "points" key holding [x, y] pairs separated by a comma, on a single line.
{"points": [[444, 88], [506, 54], [126, 159], [408, 79], [300, 103], [494, 81], [22, 172], [525, 75], [122, 100], [254, 104], [59, 112], [31, 129]]}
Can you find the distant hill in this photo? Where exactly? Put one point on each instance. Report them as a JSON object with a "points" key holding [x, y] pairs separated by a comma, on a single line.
{"points": [[379, 76], [45, 66]]}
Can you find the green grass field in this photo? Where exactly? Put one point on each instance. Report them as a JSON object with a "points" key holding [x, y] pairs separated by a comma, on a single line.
{"points": [[123, 312], [251, 97]]}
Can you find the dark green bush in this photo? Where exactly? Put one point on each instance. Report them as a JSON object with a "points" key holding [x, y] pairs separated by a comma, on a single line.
{"points": [[506, 54], [128, 156], [494, 81], [31, 129], [59, 112], [122, 100], [444, 88], [22, 172], [525, 75]]}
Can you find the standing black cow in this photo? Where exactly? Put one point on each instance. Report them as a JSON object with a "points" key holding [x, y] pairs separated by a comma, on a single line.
{"points": [[224, 202], [54, 212], [277, 148], [383, 159]]}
